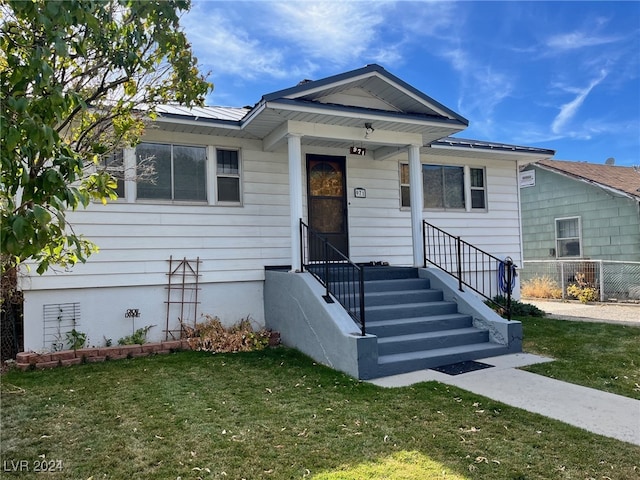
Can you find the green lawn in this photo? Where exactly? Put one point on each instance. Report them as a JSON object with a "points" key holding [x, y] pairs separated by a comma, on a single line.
{"points": [[597, 355], [277, 415]]}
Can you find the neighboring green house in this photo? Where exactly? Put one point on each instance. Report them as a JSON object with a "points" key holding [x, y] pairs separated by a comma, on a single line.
{"points": [[574, 213], [580, 210]]}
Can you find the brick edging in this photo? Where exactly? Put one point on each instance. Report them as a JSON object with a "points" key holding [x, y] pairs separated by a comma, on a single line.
{"points": [[28, 360], [33, 360]]}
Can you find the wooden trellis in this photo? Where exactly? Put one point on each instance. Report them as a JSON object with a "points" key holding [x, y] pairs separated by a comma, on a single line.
{"points": [[182, 296]]}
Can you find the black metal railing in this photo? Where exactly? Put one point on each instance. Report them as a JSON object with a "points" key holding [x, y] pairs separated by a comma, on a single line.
{"points": [[342, 279], [482, 272]]}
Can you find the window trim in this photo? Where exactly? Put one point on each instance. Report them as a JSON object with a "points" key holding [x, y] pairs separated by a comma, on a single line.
{"points": [[211, 176], [404, 185], [483, 189], [215, 191], [171, 201], [466, 186], [121, 181], [579, 237]]}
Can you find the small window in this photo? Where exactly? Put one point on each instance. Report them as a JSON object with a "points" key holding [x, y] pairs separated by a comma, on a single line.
{"points": [[568, 243], [178, 172], [405, 196], [478, 189], [113, 163], [228, 176]]}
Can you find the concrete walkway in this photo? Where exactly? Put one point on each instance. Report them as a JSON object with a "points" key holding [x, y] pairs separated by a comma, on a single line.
{"points": [[599, 412], [620, 313]]}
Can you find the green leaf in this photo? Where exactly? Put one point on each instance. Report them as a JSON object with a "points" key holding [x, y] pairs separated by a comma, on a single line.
{"points": [[19, 227], [42, 216]]}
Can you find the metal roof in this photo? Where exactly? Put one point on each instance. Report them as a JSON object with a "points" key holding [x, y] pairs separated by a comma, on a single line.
{"points": [[212, 113], [489, 146], [369, 94]]}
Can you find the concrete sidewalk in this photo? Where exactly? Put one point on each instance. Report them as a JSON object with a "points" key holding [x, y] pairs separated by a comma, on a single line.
{"points": [[599, 412]]}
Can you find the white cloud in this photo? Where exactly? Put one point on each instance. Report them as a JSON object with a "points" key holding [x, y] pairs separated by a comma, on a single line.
{"points": [[576, 40], [337, 32], [569, 109], [483, 89], [223, 44]]}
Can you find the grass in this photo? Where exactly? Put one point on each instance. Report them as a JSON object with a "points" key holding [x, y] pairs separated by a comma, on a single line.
{"points": [[597, 355], [276, 414]]}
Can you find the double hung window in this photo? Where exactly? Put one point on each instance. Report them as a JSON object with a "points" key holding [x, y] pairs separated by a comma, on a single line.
{"points": [[113, 163], [568, 242], [227, 176]]}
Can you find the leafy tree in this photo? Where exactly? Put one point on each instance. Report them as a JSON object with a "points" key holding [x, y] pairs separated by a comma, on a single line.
{"points": [[78, 79]]}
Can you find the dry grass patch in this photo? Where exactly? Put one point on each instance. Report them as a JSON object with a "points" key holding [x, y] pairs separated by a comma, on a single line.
{"points": [[541, 287]]}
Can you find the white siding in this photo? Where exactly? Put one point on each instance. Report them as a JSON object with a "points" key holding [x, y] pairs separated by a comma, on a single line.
{"points": [[102, 310], [235, 243], [381, 230]]}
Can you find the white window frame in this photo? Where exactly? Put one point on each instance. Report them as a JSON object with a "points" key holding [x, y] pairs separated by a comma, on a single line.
{"points": [[133, 190], [102, 166], [579, 237], [468, 207], [404, 185], [471, 188], [215, 176]]}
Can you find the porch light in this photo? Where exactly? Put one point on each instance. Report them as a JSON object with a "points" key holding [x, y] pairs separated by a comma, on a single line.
{"points": [[368, 129]]}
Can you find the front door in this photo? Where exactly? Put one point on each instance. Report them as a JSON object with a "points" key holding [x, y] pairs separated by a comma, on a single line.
{"points": [[327, 195]]}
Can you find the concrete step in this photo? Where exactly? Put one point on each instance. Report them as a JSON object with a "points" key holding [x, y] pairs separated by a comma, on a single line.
{"points": [[372, 286], [389, 273], [338, 272], [431, 340], [374, 299], [423, 359], [410, 310], [409, 326]]}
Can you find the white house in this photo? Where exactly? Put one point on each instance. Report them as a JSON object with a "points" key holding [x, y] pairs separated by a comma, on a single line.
{"points": [[361, 156]]}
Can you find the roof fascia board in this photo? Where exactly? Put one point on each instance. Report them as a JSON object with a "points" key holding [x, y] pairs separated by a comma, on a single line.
{"points": [[535, 156], [589, 182], [517, 157], [421, 97], [363, 113], [199, 121], [316, 85]]}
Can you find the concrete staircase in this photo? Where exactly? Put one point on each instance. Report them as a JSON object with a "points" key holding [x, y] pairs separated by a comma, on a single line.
{"points": [[415, 327]]}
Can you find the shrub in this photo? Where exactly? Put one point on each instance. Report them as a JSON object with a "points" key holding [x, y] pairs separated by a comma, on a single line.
{"points": [[136, 338], [583, 290], [541, 287], [76, 339], [212, 336], [517, 308]]}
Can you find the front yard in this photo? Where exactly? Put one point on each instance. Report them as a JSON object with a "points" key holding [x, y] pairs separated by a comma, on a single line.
{"points": [[276, 414]]}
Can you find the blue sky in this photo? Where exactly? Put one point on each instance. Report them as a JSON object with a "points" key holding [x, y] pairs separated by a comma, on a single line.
{"points": [[559, 75]]}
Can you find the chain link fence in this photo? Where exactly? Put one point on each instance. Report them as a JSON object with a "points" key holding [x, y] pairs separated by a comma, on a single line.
{"points": [[614, 280]]}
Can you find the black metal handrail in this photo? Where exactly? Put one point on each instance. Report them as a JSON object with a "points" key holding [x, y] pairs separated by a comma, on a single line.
{"points": [[342, 279], [482, 272]]}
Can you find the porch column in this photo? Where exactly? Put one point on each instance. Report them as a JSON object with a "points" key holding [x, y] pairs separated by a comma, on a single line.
{"points": [[295, 198], [417, 202]]}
